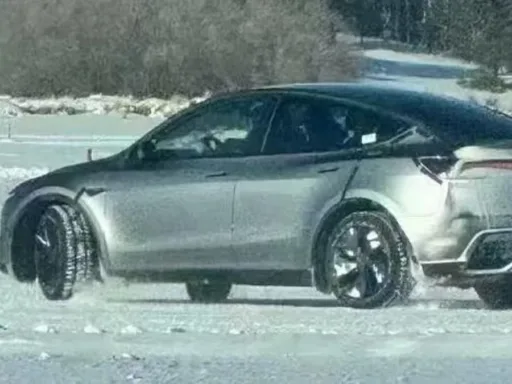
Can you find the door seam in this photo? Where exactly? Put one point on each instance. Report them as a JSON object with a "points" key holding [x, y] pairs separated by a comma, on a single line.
{"points": [[232, 227], [350, 179]]}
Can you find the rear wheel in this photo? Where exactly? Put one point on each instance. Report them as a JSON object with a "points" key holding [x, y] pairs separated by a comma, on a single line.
{"points": [[367, 261], [496, 294], [209, 291]]}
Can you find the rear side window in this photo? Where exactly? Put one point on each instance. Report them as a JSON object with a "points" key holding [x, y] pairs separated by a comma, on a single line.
{"points": [[464, 124], [304, 125]]}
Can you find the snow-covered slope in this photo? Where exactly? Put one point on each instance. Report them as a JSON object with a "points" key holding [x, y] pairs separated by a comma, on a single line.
{"points": [[417, 58], [428, 73]]}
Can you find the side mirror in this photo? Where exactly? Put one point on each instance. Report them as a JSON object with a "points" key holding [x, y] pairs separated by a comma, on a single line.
{"points": [[147, 151]]}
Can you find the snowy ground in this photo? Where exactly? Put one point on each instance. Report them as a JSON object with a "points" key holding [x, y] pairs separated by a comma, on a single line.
{"points": [[152, 334]]}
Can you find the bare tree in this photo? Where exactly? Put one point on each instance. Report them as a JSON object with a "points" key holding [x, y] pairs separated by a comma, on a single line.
{"points": [[163, 47]]}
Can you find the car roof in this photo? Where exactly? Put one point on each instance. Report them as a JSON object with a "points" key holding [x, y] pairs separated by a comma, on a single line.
{"points": [[396, 98], [446, 114]]}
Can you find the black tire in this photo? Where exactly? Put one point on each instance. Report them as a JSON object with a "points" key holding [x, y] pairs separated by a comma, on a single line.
{"points": [[210, 292], [391, 253], [60, 252], [496, 294]]}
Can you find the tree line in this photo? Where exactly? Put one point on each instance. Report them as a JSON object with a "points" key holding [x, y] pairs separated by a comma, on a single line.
{"points": [[475, 30], [165, 47]]}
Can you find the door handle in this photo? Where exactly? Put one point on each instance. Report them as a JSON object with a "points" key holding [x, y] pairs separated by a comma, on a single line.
{"points": [[328, 170], [218, 174]]}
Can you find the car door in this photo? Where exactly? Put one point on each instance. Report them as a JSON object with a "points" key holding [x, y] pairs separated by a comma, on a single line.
{"points": [[307, 161], [173, 207]]}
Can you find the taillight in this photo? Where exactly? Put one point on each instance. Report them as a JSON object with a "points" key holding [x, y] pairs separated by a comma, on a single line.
{"points": [[435, 167], [488, 164]]}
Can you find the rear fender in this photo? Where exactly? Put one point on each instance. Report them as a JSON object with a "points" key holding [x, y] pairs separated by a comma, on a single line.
{"points": [[379, 199], [353, 200]]}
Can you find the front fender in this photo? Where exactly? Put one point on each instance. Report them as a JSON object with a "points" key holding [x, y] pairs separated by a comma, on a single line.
{"points": [[16, 208]]}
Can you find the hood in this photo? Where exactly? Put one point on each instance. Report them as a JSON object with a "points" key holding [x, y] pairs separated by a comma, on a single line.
{"points": [[59, 176], [86, 167]]}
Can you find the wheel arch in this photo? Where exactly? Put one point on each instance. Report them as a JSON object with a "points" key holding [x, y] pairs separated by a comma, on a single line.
{"points": [[351, 203], [20, 241]]}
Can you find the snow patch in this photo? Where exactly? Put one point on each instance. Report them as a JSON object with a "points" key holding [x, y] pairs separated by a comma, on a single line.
{"points": [[394, 348], [44, 356], [18, 342], [417, 58], [45, 328], [7, 109], [133, 377], [131, 330], [129, 356], [21, 173], [91, 329], [434, 331]]}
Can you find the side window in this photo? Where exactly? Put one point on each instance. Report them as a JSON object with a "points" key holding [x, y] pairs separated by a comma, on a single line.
{"points": [[313, 125], [371, 127], [223, 129]]}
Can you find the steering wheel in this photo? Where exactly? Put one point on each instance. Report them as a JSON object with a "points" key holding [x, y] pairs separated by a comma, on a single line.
{"points": [[211, 142]]}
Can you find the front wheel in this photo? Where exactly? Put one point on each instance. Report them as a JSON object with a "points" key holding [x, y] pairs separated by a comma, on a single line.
{"points": [[208, 292], [62, 251], [367, 261]]}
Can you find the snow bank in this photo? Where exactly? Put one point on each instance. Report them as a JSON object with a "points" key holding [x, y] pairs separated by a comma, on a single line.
{"points": [[417, 58], [161, 108], [7, 109], [450, 88], [95, 104], [406, 75], [20, 173]]}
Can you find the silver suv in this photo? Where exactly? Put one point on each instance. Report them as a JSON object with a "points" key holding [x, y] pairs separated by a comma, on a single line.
{"points": [[341, 186]]}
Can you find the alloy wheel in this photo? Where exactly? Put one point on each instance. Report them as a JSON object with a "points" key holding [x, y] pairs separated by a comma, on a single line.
{"points": [[361, 260]]}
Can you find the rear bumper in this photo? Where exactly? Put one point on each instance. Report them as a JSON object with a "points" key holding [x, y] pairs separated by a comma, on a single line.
{"points": [[472, 235], [489, 252]]}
